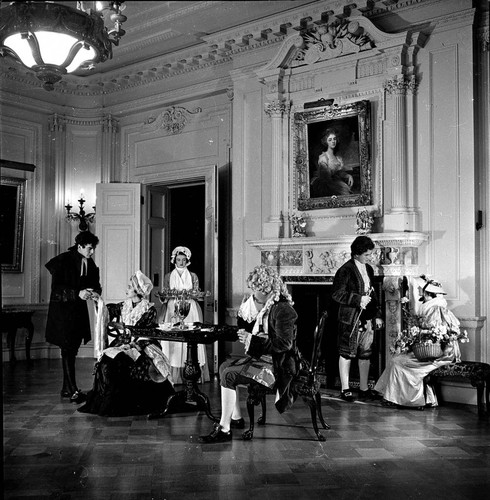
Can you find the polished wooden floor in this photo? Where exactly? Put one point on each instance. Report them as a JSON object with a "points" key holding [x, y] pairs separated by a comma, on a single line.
{"points": [[51, 451]]}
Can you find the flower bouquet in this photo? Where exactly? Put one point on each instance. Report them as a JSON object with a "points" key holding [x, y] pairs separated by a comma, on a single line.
{"points": [[426, 340]]}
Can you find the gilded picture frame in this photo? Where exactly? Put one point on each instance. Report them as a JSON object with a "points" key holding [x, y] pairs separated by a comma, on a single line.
{"points": [[333, 178], [12, 211]]}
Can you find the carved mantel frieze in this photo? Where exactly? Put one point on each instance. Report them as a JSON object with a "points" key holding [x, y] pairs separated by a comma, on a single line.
{"points": [[316, 260], [396, 254]]}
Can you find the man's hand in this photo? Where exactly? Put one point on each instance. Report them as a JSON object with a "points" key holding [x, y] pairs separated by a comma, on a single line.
{"points": [[85, 294], [379, 323], [365, 300], [243, 336]]}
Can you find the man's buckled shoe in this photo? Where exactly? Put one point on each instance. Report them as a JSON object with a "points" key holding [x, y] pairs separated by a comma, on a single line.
{"points": [[217, 436], [239, 423], [347, 396]]}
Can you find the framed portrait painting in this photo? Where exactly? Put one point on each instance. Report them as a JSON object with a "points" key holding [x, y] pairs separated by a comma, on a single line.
{"points": [[332, 156], [12, 202]]}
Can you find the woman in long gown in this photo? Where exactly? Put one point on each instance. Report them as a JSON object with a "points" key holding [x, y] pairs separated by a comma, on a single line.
{"points": [[182, 279], [402, 382], [131, 376]]}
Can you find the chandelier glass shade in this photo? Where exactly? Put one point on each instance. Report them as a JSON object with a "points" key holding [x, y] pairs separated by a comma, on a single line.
{"points": [[53, 39]]}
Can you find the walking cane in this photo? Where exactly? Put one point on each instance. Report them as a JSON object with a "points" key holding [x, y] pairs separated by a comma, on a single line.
{"points": [[356, 324]]}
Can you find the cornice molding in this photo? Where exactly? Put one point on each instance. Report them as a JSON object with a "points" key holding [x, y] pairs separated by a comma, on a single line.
{"points": [[59, 121], [169, 97], [216, 49], [224, 47]]}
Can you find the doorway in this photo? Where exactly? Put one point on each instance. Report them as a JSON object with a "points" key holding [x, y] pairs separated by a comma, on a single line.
{"points": [[175, 217], [186, 224]]}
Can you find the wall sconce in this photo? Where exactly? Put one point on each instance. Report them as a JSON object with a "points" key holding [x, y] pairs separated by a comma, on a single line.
{"points": [[81, 216]]}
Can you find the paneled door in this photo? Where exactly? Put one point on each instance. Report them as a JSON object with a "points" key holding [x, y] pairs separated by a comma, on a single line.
{"points": [[211, 263], [155, 254], [118, 226]]}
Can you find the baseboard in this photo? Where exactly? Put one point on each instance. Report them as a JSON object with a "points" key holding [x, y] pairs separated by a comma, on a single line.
{"points": [[458, 392], [43, 350]]}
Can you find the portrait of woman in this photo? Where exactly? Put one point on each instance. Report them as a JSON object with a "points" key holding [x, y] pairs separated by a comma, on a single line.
{"points": [[331, 177], [332, 156]]}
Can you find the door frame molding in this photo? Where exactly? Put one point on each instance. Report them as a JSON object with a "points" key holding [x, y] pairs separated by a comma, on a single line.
{"points": [[166, 178], [207, 174]]}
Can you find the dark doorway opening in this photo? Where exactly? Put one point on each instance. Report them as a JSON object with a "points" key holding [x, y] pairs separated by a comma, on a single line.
{"points": [[186, 224]]}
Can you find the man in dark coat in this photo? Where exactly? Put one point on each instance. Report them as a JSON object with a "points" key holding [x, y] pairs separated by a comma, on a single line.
{"points": [[75, 279], [357, 305]]}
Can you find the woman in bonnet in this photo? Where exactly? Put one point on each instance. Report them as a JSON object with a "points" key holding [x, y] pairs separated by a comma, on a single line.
{"points": [[182, 279], [131, 376], [402, 382]]}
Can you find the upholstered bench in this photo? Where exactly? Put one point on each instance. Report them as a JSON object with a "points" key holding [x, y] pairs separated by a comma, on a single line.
{"points": [[477, 373]]}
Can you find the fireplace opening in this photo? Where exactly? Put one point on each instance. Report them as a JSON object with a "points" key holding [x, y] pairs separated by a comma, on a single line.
{"points": [[310, 301]]}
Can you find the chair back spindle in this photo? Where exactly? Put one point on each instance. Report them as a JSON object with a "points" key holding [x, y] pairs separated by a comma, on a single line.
{"points": [[317, 342]]}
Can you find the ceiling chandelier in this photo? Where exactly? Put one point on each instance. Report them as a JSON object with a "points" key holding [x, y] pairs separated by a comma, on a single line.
{"points": [[53, 39]]}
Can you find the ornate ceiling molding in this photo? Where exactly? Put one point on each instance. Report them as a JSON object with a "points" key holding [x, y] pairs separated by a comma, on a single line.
{"points": [[223, 47]]}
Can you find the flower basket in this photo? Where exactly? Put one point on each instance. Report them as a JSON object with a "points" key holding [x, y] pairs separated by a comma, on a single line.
{"points": [[424, 337], [427, 352]]}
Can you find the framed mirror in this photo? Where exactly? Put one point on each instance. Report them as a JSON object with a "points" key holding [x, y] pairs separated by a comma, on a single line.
{"points": [[12, 204], [332, 156]]}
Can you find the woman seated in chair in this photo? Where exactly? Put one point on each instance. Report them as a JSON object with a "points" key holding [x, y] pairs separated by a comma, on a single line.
{"points": [[131, 376], [267, 327], [402, 382]]}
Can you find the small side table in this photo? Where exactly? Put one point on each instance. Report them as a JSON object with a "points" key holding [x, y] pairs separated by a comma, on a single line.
{"points": [[14, 318]]}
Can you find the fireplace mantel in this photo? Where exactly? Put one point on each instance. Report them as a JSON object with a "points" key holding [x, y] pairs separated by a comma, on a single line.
{"points": [[314, 258]]}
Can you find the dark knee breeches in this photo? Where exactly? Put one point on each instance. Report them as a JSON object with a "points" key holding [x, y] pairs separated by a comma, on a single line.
{"points": [[358, 345], [231, 374]]}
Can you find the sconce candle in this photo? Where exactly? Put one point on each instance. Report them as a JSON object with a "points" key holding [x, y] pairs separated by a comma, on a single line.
{"points": [[82, 217]]}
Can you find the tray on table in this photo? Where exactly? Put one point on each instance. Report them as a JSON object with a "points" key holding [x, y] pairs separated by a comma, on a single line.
{"points": [[201, 333]]}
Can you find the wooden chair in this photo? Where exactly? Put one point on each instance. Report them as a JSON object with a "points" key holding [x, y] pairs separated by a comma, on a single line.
{"points": [[118, 330], [305, 384]]}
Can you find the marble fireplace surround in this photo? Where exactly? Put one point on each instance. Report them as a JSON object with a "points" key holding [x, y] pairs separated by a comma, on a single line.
{"points": [[314, 260]]}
